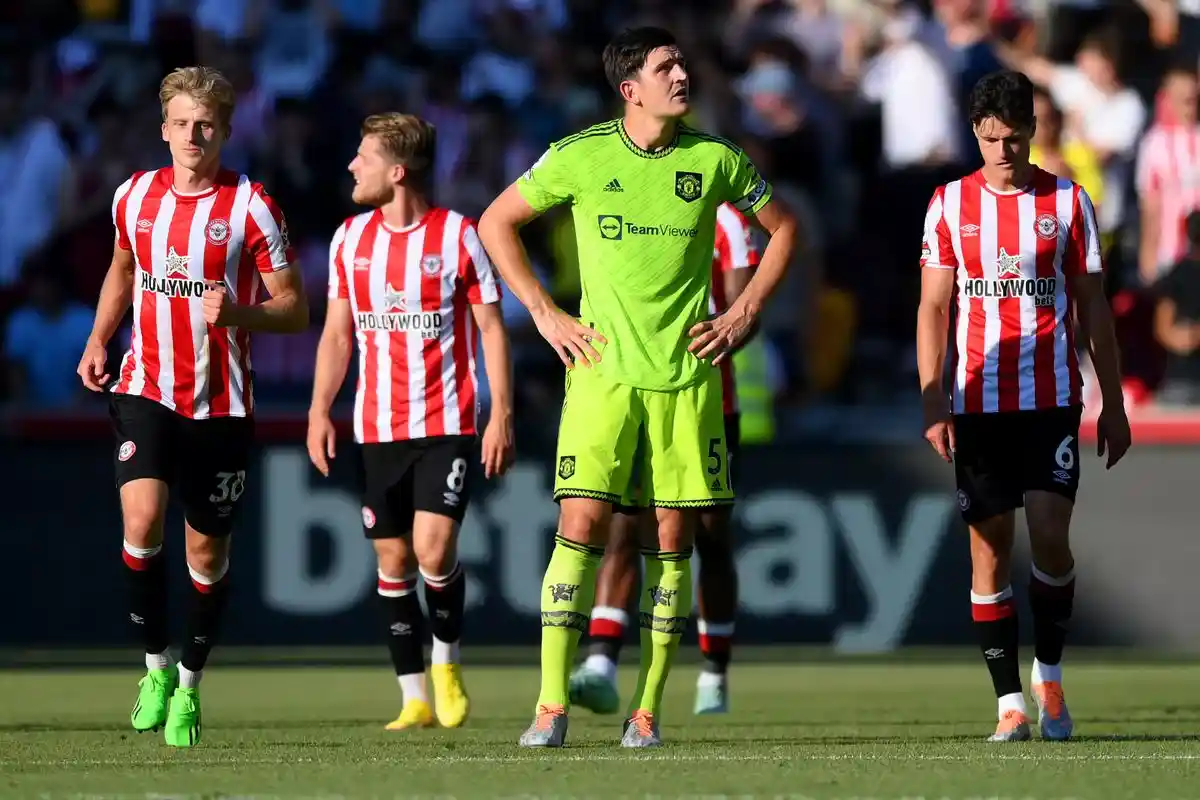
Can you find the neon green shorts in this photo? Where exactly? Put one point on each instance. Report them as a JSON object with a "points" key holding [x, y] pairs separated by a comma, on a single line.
{"points": [[642, 447]]}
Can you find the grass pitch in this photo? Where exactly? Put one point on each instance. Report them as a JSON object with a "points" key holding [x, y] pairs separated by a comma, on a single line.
{"points": [[830, 730]]}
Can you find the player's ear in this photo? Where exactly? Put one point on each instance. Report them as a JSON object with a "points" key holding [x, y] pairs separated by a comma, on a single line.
{"points": [[629, 92], [398, 173], [164, 132]]}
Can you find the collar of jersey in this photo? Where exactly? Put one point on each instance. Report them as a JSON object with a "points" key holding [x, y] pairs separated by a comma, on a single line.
{"points": [[637, 151]]}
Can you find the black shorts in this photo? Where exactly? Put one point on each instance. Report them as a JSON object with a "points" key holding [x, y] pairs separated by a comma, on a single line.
{"points": [[205, 459], [998, 457], [402, 478], [733, 442]]}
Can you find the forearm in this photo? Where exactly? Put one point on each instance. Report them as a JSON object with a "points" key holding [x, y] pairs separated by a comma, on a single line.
{"points": [[1097, 324], [498, 363], [1148, 246], [774, 265], [932, 324], [287, 313], [503, 244], [116, 294], [333, 362]]}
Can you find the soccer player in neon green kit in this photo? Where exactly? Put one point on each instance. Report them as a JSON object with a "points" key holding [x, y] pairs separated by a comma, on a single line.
{"points": [[642, 418]]}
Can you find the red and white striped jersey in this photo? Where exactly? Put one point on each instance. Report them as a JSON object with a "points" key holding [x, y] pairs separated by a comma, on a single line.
{"points": [[409, 291], [732, 250], [1013, 252], [1168, 166], [227, 234]]}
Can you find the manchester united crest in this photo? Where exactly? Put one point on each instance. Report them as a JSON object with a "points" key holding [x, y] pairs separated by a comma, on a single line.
{"points": [[431, 265], [688, 186]]}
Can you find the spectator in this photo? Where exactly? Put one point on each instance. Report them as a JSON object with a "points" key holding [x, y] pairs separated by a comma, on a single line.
{"points": [[1177, 324], [1072, 158], [43, 341]]}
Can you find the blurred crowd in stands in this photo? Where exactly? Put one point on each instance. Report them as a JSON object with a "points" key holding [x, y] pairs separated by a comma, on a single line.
{"points": [[853, 108]]}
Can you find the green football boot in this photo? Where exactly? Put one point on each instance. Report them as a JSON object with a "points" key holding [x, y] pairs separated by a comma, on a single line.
{"points": [[183, 723], [154, 697]]}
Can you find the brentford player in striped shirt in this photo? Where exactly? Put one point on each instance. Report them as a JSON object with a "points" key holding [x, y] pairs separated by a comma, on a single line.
{"points": [[412, 285], [594, 683], [1014, 251], [194, 244]]}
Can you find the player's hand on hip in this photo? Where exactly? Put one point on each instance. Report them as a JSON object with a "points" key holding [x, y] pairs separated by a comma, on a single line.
{"points": [[218, 308], [717, 337], [499, 450], [939, 431], [569, 337], [322, 437], [1113, 435], [91, 366]]}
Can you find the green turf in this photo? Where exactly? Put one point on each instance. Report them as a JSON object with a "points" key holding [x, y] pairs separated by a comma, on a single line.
{"points": [[820, 731]]}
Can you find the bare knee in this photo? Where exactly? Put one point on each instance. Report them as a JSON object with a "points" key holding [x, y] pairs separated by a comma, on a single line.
{"points": [[624, 539], [207, 556], [584, 521], [435, 543], [991, 554], [713, 540], [1049, 518], [395, 558], [676, 529], [143, 507]]}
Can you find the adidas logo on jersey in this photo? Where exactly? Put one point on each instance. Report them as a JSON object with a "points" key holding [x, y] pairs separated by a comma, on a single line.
{"points": [[613, 186]]}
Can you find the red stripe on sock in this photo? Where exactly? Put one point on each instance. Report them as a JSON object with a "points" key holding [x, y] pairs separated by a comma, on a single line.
{"points": [[606, 628], [397, 586], [992, 612], [710, 644], [454, 575], [135, 563], [207, 588]]}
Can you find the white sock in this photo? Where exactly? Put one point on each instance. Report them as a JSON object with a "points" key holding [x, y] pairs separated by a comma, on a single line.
{"points": [[1046, 672], [1011, 702], [602, 665], [412, 687], [443, 652], [158, 660], [189, 679], [710, 679]]}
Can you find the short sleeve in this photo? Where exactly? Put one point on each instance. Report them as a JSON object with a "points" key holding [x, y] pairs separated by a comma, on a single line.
{"points": [[549, 182], [1083, 249], [748, 191], [475, 271], [119, 205], [735, 242], [267, 234], [338, 290], [937, 248]]}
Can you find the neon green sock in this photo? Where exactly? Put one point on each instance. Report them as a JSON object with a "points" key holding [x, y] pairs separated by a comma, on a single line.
{"points": [[568, 594], [665, 608]]}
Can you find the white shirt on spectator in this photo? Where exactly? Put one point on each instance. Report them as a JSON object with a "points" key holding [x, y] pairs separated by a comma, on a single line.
{"points": [[1110, 123], [919, 114]]}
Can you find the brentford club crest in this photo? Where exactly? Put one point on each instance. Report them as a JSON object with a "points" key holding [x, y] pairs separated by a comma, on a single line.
{"points": [[217, 232], [127, 450], [1046, 226], [431, 265], [368, 517]]}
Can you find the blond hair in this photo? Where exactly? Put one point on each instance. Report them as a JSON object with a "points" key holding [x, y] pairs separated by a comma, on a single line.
{"points": [[408, 139], [205, 85]]}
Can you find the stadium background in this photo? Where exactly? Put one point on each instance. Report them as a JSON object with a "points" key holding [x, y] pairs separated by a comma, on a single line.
{"points": [[849, 532]]}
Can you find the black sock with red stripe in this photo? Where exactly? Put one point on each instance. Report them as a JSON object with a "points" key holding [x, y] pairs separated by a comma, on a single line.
{"points": [[606, 632], [146, 579], [210, 595], [446, 602], [405, 623], [995, 619]]}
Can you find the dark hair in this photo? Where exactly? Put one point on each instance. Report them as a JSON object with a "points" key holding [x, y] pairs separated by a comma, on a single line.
{"points": [[626, 54], [1193, 228], [1005, 95]]}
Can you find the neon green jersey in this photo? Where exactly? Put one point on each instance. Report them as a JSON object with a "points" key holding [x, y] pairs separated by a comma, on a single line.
{"points": [[645, 224]]}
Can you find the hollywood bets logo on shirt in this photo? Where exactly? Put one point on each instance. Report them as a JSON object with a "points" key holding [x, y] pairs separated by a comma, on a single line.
{"points": [[1010, 282], [178, 282], [396, 318]]}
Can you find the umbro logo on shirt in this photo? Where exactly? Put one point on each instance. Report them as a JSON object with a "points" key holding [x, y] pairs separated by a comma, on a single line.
{"points": [[613, 186]]}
